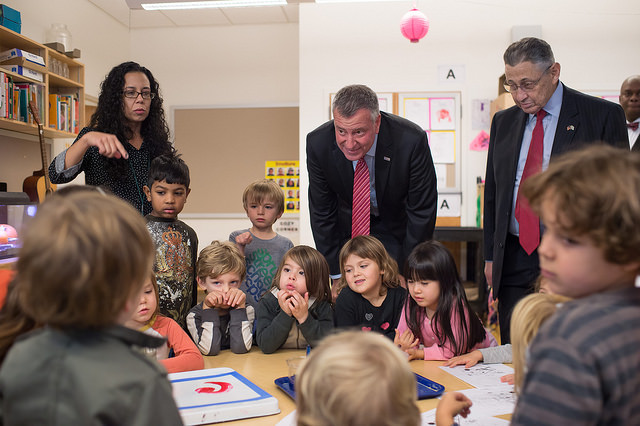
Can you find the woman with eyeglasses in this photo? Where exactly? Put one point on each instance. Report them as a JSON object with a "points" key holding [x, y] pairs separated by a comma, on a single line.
{"points": [[126, 132]]}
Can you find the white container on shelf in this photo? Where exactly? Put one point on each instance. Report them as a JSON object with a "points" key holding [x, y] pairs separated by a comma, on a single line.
{"points": [[59, 33]]}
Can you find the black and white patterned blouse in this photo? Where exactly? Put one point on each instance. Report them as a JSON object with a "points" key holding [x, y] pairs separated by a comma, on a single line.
{"points": [[95, 168]]}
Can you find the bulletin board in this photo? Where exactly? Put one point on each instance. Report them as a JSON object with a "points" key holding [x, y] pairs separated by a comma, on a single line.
{"points": [[226, 149], [438, 113]]}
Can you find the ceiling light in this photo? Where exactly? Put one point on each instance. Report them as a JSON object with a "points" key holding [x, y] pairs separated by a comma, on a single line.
{"points": [[353, 1], [211, 4]]}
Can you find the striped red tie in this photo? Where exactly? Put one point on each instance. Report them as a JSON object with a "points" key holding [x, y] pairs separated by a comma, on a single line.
{"points": [[528, 221], [361, 211]]}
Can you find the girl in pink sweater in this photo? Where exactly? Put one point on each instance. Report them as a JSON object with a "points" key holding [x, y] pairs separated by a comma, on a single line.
{"points": [[180, 353], [436, 322]]}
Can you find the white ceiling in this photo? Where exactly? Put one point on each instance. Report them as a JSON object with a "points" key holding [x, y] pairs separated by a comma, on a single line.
{"points": [[139, 18]]}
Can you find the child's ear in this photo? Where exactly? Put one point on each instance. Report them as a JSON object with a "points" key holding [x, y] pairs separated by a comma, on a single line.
{"points": [[147, 192], [200, 282], [187, 194]]}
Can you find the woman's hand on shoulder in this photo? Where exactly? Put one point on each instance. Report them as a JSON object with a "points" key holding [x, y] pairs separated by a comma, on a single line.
{"points": [[469, 360], [108, 145]]}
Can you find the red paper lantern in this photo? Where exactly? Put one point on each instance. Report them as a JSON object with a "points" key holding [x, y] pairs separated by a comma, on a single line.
{"points": [[414, 25]]}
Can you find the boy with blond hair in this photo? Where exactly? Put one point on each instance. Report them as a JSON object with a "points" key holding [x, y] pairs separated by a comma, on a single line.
{"points": [[584, 366], [263, 248], [222, 320], [356, 378]]}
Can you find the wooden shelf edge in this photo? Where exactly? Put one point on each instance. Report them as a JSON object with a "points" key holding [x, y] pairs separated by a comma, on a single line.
{"points": [[56, 80], [53, 133]]}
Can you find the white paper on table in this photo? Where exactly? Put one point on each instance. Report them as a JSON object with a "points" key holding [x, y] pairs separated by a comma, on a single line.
{"points": [[481, 375], [489, 402], [429, 419], [289, 420]]}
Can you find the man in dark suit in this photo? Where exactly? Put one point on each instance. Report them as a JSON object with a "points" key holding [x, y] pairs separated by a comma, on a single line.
{"points": [[630, 101], [402, 180], [563, 120]]}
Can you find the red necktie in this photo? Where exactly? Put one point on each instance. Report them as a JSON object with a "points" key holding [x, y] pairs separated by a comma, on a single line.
{"points": [[528, 222], [361, 210], [633, 126]]}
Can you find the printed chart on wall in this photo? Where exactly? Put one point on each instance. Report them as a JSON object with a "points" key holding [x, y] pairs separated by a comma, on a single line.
{"points": [[438, 113], [287, 175]]}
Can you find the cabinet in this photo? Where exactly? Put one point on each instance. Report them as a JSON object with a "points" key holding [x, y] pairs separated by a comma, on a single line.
{"points": [[53, 83]]}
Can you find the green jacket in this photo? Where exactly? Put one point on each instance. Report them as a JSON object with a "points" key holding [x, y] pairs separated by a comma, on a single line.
{"points": [[85, 377]]}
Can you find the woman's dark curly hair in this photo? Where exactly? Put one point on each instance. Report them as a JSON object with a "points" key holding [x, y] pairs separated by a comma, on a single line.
{"points": [[109, 116]]}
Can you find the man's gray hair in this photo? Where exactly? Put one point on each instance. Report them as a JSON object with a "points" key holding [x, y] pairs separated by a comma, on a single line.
{"points": [[351, 99], [529, 49]]}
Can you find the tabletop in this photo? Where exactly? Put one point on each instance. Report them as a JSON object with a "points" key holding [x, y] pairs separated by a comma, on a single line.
{"points": [[262, 369]]}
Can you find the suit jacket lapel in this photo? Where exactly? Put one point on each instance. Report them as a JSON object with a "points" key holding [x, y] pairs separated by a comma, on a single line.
{"points": [[636, 145], [511, 150], [568, 123], [383, 158], [344, 168]]}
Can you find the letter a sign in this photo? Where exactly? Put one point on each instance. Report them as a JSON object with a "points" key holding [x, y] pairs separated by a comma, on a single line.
{"points": [[451, 73]]}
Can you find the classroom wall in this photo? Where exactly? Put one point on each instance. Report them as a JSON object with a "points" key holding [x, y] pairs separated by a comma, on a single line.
{"points": [[222, 67], [342, 44]]}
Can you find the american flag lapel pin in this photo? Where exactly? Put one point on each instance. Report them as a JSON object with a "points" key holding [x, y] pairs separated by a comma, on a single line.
{"points": [[570, 127], [386, 158]]}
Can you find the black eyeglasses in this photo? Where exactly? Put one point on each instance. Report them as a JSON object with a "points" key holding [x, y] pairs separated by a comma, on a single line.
{"points": [[527, 86], [133, 94]]}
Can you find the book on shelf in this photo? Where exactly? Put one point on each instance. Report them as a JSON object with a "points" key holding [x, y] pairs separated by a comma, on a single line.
{"points": [[15, 98], [64, 112]]}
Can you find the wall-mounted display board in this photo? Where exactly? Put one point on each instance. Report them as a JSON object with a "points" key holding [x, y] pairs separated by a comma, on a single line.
{"points": [[438, 113], [226, 149]]}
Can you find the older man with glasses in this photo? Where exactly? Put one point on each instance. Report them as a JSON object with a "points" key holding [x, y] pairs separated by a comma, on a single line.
{"points": [[548, 119]]}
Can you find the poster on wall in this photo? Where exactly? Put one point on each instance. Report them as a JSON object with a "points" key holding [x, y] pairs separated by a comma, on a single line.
{"points": [[438, 114], [287, 175]]}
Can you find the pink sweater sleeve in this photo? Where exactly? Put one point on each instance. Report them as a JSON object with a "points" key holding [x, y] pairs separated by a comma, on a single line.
{"points": [[186, 357], [434, 352]]}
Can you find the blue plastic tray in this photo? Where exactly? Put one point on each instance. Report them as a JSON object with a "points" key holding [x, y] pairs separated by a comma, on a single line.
{"points": [[426, 388]]}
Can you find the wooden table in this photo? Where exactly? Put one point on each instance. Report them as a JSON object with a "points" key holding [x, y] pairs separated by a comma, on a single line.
{"points": [[263, 369]]}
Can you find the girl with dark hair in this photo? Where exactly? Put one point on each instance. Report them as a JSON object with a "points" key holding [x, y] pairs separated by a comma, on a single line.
{"points": [[436, 322], [126, 132]]}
